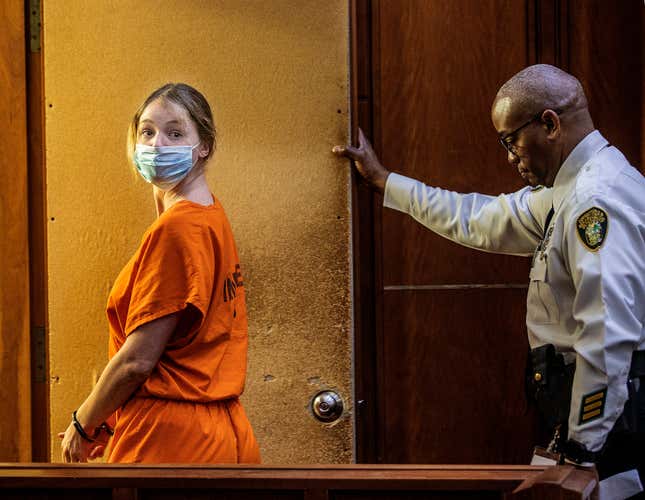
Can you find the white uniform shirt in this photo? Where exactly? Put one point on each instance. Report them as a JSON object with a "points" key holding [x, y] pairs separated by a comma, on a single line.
{"points": [[588, 299]]}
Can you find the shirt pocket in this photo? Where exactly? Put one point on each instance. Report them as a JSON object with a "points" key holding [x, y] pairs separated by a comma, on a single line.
{"points": [[541, 306]]}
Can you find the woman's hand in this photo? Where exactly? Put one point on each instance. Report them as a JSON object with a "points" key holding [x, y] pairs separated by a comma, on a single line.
{"points": [[76, 449]]}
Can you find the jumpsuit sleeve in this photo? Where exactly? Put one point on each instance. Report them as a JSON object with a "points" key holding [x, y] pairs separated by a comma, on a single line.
{"points": [[608, 311], [508, 223], [167, 276]]}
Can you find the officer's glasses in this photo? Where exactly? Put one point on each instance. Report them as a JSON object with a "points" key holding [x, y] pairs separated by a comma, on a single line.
{"points": [[507, 140]]}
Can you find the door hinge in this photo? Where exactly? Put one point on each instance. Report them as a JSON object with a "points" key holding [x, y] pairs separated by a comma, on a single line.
{"points": [[38, 354], [34, 25]]}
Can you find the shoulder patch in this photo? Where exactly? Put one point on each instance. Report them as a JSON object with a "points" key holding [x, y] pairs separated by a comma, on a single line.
{"points": [[536, 188], [592, 228], [592, 406]]}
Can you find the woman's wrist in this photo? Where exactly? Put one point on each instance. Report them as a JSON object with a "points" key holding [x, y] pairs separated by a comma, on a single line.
{"points": [[90, 436], [79, 428]]}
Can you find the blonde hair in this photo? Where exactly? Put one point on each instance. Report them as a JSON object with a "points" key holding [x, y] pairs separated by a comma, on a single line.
{"points": [[192, 101]]}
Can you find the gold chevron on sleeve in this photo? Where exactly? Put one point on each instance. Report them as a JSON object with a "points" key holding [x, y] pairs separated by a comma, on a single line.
{"points": [[592, 406]]}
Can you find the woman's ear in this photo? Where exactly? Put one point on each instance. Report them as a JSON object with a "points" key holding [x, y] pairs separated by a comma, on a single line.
{"points": [[203, 150]]}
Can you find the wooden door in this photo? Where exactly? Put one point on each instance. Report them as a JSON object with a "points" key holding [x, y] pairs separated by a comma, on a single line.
{"points": [[441, 341]]}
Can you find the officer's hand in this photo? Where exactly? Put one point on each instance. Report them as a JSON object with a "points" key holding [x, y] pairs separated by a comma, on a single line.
{"points": [[366, 161]]}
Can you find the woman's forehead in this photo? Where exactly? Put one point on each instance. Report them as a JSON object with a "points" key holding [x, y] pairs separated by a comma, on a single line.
{"points": [[161, 111]]}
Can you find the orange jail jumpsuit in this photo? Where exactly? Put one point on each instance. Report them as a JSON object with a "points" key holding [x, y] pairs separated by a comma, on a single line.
{"points": [[188, 410]]}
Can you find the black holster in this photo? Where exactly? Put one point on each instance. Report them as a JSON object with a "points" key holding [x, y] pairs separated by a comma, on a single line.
{"points": [[550, 381]]}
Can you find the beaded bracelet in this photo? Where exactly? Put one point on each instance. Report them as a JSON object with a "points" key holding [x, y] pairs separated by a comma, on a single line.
{"points": [[79, 428]]}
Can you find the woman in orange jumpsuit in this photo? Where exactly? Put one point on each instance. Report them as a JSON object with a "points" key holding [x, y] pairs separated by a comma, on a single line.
{"points": [[176, 312]]}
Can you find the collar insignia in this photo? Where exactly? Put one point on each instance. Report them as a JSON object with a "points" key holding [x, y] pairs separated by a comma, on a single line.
{"points": [[592, 228]]}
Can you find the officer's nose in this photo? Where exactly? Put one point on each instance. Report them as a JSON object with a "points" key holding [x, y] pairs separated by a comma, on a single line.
{"points": [[512, 158]]}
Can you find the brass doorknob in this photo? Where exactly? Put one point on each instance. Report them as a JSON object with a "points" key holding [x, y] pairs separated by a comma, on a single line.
{"points": [[327, 406]]}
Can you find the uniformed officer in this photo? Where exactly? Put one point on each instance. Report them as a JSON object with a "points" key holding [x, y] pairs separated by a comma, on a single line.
{"points": [[582, 218]]}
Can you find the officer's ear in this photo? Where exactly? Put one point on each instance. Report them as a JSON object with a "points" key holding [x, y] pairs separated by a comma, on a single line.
{"points": [[551, 123]]}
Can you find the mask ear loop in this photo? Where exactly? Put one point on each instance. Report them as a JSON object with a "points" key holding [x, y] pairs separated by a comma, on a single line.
{"points": [[198, 157]]}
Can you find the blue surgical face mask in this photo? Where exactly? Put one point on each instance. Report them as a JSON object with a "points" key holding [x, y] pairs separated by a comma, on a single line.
{"points": [[164, 166]]}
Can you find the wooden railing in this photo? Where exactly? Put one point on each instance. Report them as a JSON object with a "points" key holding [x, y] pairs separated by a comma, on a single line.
{"points": [[316, 482]]}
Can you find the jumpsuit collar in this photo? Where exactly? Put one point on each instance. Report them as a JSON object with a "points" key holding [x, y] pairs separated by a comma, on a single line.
{"points": [[577, 159]]}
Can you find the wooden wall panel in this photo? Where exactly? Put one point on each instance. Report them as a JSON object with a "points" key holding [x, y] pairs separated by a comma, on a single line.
{"points": [[452, 377], [15, 432], [441, 66], [606, 41], [547, 32], [415, 256], [453, 342]]}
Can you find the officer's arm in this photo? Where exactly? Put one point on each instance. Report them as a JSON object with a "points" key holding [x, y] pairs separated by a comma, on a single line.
{"points": [[607, 266], [509, 223]]}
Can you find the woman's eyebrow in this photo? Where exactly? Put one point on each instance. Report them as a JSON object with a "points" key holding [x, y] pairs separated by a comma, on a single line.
{"points": [[169, 122], [174, 122]]}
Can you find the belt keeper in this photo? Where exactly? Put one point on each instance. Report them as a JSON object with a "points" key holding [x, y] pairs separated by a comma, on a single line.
{"points": [[79, 428]]}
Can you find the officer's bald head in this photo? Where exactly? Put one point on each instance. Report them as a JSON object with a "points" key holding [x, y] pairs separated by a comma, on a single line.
{"points": [[541, 87], [542, 113]]}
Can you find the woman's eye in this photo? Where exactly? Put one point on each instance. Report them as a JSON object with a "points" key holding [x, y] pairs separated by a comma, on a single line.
{"points": [[145, 132], [175, 134]]}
